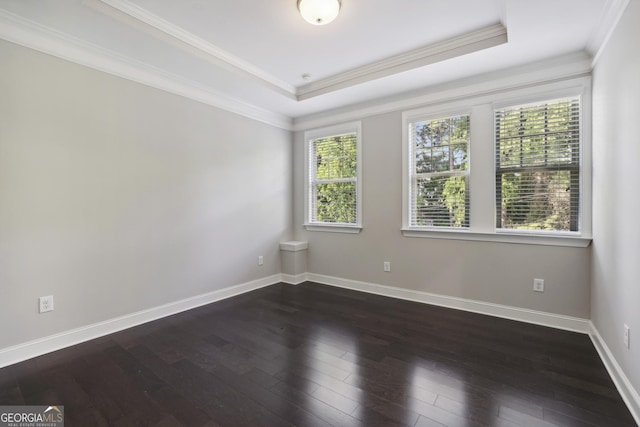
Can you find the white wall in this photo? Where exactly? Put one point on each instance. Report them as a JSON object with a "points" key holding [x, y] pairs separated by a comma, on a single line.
{"points": [[116, 197], [492, 272], [616, 174]]}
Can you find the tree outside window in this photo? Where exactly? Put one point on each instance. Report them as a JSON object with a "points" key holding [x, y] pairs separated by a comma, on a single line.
{"points": [[333, 179], [440, 172], [538, 166]]}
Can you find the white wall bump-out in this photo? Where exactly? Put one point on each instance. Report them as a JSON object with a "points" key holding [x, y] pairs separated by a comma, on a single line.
{"points": [[293, 255]]}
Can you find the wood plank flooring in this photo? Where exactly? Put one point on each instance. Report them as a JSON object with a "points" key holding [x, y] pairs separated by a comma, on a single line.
{"points": [[314, 355]]}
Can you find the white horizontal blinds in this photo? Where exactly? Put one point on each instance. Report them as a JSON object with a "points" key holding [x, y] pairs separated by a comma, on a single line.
{"points": [[440, 172], [538, 166], [333, 179]]}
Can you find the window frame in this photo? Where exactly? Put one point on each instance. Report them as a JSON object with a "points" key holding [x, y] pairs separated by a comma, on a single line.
{"points": [[328, 132], [482, 146]]}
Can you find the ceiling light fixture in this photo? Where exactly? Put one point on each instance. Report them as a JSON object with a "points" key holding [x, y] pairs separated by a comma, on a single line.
{"points": [[319, 12]]}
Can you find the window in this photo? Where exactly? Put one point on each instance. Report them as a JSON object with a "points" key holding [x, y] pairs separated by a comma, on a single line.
{"points": [[439, 172], [333, 171], [509, 166], [538, 166]]}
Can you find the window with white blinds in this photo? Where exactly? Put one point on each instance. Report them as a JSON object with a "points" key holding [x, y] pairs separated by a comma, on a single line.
{"points": [[333, 177], [538, 166], [439, 173]]}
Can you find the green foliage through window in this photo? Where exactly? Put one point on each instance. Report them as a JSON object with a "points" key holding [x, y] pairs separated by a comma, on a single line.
{"points": [[440, 196], [538, 166], [333, 179]]}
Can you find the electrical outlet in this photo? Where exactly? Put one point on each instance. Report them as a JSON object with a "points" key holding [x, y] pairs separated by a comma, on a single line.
{"points": [[627, 336], [260, 260], [387, 266], [538, 285], [46, 303]]}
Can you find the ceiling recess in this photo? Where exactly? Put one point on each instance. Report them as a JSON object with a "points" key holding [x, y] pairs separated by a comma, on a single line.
{"points": [[474, 41]]}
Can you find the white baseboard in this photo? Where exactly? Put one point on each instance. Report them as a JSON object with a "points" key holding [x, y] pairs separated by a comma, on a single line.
{"points": [[624, 386], [38, 347], [557, 321], [294, 279]]}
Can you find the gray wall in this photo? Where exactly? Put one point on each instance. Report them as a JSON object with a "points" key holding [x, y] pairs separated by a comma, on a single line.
{"points": [[116, 197], [492, 272], [616, 173]]}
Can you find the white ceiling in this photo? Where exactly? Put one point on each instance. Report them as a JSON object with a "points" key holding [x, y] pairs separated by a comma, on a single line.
{"points": [[253, 53]]}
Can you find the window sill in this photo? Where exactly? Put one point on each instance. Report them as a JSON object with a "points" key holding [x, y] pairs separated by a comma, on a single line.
{"points": [[342, 228], [524, 239]]}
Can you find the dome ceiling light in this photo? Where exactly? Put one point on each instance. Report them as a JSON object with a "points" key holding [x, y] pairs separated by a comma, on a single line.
{"points": [[319, 12]]}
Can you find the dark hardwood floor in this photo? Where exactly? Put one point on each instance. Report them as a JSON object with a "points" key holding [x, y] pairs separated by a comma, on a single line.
{"points": [[314, 355]]}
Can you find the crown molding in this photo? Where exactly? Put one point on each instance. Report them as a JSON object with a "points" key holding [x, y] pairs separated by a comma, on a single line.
{"points": [[19, 30], [611, 14], [212, 53], [460, 45], [552, 70], [474, 41]]}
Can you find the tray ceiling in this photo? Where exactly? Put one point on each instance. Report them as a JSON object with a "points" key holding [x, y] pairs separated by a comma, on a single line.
{"points": [[252, 54]]}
